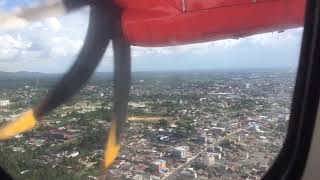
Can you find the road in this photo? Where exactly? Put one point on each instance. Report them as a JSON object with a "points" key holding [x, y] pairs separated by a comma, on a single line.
{"points": [[176, 171]]}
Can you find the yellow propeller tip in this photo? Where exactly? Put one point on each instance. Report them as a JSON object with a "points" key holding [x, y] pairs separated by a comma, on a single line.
{"points": [[110, 155], [24, 123], [112, 148]]}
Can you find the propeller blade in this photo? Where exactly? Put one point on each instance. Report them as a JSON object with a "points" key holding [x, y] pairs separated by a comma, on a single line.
{"points": [[96, 42], [94, 47], [25, 123], [122, 78]]}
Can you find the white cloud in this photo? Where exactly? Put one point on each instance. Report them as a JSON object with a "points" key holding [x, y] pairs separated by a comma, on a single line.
{"points": [[273, 39], [43, 45], [64, 47], [7, 41], [11, 47], [277, 38], [53, 24]]}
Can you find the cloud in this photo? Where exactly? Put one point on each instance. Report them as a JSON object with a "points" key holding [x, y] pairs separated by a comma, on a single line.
{"points": [[275, 39], [53, 24], [9, 42], [50, 45], [269, 50], [11, 47], [266, 40], [64, 47]]}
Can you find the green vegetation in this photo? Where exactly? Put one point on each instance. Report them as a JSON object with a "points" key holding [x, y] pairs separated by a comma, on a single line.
{"points": [[185, 125], [97, 136], [99, 113], [36, 169], [163, 123], [226, 143]]}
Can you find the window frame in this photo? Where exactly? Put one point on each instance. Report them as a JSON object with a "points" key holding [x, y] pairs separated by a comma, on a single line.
{"points": [[292, 158]]}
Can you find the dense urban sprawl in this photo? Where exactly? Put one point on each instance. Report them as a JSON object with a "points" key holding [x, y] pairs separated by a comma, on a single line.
{"points": [[183, 125]]}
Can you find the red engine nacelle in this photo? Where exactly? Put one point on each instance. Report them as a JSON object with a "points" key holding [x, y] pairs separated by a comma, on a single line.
{"points": [[172, 22]]}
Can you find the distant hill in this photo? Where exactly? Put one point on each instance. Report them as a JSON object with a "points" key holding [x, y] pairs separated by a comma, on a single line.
{"points": [[138, 75], [24, 78], [25, 75]]}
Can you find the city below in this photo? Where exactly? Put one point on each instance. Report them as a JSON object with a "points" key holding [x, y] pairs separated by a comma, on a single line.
{"points": [[219, 125]]}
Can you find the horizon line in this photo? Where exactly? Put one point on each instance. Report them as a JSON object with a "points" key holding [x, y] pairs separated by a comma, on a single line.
{"points": [[171, 70]]}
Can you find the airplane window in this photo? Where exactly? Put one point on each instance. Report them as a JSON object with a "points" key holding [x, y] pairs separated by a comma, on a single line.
{"points": [[209, 110]]}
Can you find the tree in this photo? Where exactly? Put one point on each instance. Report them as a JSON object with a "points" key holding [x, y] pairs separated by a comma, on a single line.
{"points": [[163, 124], [226, 143], [94, 139]]}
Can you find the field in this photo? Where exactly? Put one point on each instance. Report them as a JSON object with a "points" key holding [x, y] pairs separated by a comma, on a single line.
{"points": [[149, 118]]}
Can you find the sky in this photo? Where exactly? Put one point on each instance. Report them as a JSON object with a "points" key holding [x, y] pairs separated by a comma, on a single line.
{"points": [[51, 46]]}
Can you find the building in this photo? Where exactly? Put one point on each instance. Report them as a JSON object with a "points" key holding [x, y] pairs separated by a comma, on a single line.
{"points": [[282, 117], [218, 148], [235, 126], [202, 139], [73, 154], [210, 140], [57, 135], [205, 161], [180, 152], [217, 130], [155, 178], [158, 165], [216, 155], [187, 174], [137, 104], [4, 102], [137, 177]]}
